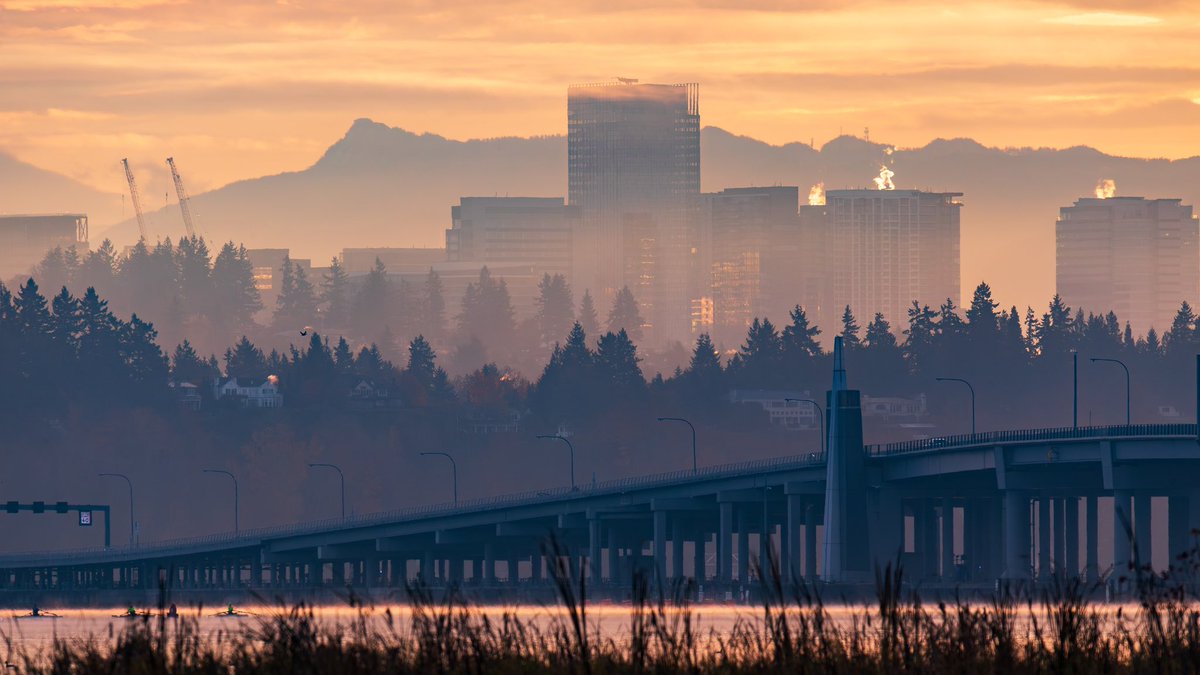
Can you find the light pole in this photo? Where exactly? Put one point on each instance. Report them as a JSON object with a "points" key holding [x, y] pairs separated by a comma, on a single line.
{"points": [[453, 469], [1126, 368], [341, 476], [820, 416], [680, 419], [236, 529], [566, 440], [130, 483], [1074, 389], [959, 379]]}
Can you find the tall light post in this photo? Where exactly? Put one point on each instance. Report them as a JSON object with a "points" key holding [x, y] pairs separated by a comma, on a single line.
{"points": [[1126, 368], [820, 416], [131, 520], [453, 469], [341, 477], [236, 527], [693, 428], [1074, 389], [959, 379], [566, 440]]}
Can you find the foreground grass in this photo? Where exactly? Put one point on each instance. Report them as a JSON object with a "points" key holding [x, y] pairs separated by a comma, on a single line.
{"points": [[1052, 630]]}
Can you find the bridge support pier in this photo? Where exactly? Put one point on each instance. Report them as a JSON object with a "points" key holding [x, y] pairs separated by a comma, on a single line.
{"points": [[792, 543], [743, 550], [1092, 537], [1122, 534], [1016, 536], [1072, 534], [1178, 530], [1141, 530], [1044, 529], [725, 544], [947, 551]]}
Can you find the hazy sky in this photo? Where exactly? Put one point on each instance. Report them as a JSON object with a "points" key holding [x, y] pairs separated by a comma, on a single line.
{"points": [[240, 88]]}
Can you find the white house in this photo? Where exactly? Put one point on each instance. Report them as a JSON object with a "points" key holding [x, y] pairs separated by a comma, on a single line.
{"points": [[265, 395]]}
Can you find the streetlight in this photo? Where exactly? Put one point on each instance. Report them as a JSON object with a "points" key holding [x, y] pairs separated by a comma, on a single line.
{"points": [[1074, 389], [680, 419], [959, 379], [1122, 364], [130, 483], [453, 467], [236, 529], [341, 476], [820, 416], [566, 440]]}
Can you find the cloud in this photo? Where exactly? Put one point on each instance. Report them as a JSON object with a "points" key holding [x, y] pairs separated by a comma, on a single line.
{"points": [[1105, 19]]}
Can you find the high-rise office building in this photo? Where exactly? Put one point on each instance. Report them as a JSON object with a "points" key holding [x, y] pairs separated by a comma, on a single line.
{"points": [[634, 171], [25, 239], [535, 231], [755, 249], [891, 247], [1137, 257]]}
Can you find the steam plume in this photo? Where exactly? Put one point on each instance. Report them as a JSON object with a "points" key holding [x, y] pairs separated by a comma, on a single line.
{"points": [[1106, 188], [816, 195], [884, 180]]}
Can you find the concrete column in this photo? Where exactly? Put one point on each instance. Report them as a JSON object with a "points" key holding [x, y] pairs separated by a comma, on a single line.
{"points": [[593, 559], [725, 545], [614, 555], [1122, 530], [1016, 535], [791, 538], [1092, 538], [660, 546], [1141, 529], [743, 546], [488, 574], [1179, 539], [810, 541], [1071, 532], [1044, 531], [676, 549], [947, 538]]}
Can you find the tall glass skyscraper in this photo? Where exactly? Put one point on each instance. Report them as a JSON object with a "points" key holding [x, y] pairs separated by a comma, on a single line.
{"points": [[634, 171]]}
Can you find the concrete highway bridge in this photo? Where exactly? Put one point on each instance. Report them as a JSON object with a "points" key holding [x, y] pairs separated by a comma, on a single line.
{"points": [[963, 509]]}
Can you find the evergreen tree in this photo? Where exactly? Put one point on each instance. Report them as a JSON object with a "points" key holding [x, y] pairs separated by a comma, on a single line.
{"points": [[369, 315], [145, 364], [335, 295], [850, 339], [99, 268], [422, 360], [982, 322], [879, 336], [626, 315], [66, 326], [588, 319], [195, 275], [296, 305], [487, 312], [617, 364], [52, 271], [246, 362], [949, 324], [434, 320], [919, 338], [1181, 337], [555, 308], [187, 366], [343, 358], [235, 295], [800, 337]]}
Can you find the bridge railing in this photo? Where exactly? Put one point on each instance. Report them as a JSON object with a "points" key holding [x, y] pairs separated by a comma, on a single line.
{"points": [[1031, 435], [253, 537]]}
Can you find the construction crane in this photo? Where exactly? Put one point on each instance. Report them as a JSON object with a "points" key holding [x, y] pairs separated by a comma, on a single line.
{"points": [[184, 206], [133, 196]]}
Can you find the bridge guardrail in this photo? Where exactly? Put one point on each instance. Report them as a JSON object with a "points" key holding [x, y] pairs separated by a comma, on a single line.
{"points": [[1030, 435], [252, 537]]}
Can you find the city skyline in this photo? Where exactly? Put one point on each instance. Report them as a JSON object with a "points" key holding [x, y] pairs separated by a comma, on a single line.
{"points": [[95, 81]]}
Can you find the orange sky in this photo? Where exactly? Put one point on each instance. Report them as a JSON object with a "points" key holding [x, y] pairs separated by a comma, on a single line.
{"points": [[240, 88]]}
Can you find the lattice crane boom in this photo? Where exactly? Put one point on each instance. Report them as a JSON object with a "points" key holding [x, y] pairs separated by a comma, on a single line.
{"points": [[135, 198], [184, 202]]}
